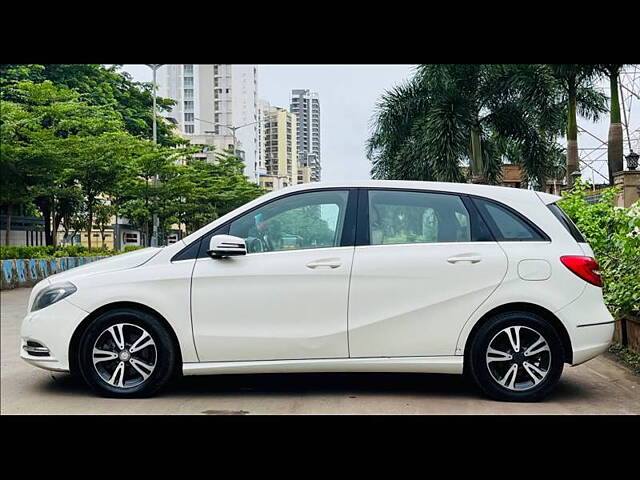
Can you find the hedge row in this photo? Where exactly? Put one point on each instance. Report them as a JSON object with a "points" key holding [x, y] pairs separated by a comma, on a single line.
{"points": [[41, 251]]}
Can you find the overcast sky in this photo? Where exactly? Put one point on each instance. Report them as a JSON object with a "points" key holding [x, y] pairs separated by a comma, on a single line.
{"points": [[348, 94]]}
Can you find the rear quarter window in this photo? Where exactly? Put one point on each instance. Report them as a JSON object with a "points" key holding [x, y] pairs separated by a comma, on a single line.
{"points": [[567, 222], [507, 225]]}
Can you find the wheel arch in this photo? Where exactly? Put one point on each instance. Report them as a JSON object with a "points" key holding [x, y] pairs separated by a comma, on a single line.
{"points": [[527, 307], [74, 344]]}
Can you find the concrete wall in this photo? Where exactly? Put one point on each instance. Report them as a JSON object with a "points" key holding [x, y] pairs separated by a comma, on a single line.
{"points": [[630, 183], [18, 273]]}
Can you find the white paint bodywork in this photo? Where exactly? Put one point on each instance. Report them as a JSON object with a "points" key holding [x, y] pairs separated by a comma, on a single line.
{"points": [[408, 300], [367, 308], [279, 308]]}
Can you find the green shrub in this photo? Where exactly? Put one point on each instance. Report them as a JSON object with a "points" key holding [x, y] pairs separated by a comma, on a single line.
{"points": [[41, 251], [614, 234], [131, 248]]}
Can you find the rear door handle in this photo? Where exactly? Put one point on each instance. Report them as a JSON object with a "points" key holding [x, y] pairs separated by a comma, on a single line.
{"points": [[325, 263], [465, 258]]}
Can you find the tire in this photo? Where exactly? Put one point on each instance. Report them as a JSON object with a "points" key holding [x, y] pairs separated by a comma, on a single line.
{"points": [[514, 338], [140, 369]]}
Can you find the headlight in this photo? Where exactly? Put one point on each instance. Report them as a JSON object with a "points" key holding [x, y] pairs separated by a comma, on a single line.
{"points": [[52, 294]]}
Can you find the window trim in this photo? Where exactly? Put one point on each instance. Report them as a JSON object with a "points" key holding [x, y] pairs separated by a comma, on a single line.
{"points": [[348, 229], [495, 231], [566, 222], [476, 221]]}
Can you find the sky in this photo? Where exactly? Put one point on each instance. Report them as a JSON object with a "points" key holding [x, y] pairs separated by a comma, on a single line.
{"points": [[348, 95]]}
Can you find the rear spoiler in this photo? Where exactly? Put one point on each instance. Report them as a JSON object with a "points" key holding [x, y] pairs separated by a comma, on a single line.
{"points": [[547, 198]]}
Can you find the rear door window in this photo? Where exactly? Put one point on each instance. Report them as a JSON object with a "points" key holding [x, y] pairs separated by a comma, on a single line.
{"points": [[397, 217]]}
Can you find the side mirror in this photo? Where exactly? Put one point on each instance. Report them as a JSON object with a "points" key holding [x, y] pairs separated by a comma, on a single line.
{"points": [[221, 246]]}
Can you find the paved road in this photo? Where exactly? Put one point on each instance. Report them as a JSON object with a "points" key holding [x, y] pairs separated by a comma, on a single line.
{"points": [[597, 387]]}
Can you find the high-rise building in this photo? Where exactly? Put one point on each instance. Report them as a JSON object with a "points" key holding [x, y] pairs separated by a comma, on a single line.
{"points": [[305, 105], [279, 147], [211, 98], [263, 111]]}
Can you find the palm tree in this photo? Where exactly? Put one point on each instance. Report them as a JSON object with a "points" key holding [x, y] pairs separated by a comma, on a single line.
{"points": [[615, 140], [448, 116], [575, 82]]}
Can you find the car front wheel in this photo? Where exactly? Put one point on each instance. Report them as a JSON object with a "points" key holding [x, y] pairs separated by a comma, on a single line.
{"points": [[126, 353], [516, 356]]}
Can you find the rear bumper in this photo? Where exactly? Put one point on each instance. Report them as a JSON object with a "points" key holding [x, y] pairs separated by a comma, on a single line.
{"points": [[590, 341], [589, 324]]}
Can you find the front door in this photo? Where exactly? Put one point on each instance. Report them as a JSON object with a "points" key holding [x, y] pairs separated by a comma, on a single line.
{"points": [[422, 270], [287, 298]]}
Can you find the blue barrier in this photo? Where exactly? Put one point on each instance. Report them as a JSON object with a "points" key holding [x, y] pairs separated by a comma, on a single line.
{"points": [[18, 273]]}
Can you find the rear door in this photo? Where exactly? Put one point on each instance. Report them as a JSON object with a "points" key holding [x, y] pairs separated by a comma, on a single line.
{"points": [[423, 262]]}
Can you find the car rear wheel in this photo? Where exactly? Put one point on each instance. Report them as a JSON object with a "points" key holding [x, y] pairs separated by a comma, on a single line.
{"points": [[126, 353], [516, 356]]}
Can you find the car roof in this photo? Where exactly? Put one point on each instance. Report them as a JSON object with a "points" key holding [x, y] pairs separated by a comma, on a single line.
{"points": [[491, 191]]}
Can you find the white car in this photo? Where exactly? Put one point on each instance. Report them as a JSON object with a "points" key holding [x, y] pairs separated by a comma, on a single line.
{"points": [[376, 276]]}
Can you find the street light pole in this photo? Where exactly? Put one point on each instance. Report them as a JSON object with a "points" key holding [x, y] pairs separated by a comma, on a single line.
{"points": [[154, 68], [233, 129]]}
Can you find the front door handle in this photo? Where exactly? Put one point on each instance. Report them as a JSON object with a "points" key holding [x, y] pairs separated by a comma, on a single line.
{"points": [[325, 263], [465, 258]]}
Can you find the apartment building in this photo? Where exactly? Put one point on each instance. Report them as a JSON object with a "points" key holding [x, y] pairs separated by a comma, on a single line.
{"points": [[304, 174], [280, 147], [263, 112], [305, 105], [212, 98]]}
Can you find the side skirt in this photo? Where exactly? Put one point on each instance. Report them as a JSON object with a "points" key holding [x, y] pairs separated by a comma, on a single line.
{"points": [[451, 364]]}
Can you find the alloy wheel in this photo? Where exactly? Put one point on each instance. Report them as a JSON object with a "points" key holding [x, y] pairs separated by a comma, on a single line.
{"points": [[518, 358], [124, 355]]}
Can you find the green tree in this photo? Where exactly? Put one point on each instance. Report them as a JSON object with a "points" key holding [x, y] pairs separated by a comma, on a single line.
{"points": [[614, 144], [96, 164], [71, 212], [99, 85], [575, 82], [13, 181], [212, 190], [42, 125], [102, 220], [141, 195], [449, 116]]}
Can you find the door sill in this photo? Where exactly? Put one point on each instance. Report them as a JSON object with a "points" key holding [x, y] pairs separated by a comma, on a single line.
{"points": [[441, 364]]}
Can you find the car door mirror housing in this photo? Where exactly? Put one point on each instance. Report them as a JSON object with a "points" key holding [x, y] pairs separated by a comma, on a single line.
{"points": [[221, 246]]}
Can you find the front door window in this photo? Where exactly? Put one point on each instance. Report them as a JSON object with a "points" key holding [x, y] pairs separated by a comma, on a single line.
{"points": [[303, 221]]}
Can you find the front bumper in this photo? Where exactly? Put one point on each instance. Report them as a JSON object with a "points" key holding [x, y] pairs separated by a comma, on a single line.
{"points": [[52, 328]]}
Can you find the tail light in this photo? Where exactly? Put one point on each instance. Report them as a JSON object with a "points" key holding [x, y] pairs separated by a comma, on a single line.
{"points": [[585, 267]]}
